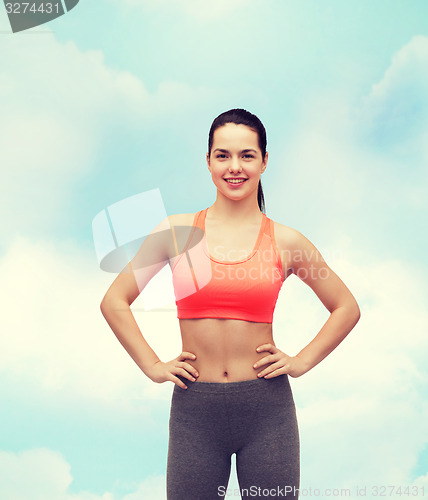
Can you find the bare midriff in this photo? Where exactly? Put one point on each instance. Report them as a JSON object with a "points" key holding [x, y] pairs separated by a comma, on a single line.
{"points": [[225, 349]]}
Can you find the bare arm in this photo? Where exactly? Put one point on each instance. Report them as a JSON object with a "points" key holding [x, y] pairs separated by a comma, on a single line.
{"points": [[340, 322], [152, 256], [306, 262], [311, 268], [117, 312]]}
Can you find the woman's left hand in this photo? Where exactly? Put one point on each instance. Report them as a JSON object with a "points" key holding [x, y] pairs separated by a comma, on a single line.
{"points": [[281, 363]]}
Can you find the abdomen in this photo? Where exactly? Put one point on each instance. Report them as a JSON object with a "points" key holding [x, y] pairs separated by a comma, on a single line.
{"points": [[225, 348]]}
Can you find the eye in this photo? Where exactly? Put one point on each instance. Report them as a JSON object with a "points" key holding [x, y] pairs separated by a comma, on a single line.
{"points": [[248, 155], [221, 155]]}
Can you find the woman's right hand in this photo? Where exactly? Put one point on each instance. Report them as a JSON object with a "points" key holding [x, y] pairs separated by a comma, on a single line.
{"points": [[162, 372]]}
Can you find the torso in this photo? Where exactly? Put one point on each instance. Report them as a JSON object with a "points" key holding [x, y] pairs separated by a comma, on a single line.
{"points": [[226, 348]]}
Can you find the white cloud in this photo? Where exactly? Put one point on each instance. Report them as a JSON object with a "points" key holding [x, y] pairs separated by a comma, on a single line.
{"points": [[362, 411], [331, 168], [324, 167], [153, 488], [356, 157], [44, 474], [422, 482], [56, 337], [58, 103], [404, 83], [40, 474], [394, 115], [52, 122]]}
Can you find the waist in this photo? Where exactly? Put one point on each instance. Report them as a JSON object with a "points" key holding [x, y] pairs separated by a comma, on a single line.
{"points": [[240, 386], [225, 349]]}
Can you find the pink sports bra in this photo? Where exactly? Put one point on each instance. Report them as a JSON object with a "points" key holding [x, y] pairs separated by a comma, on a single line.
{"points": [[245, 289]]}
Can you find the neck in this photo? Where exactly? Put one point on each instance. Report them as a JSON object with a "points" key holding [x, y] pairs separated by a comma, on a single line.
{"points": [[227, 210]]}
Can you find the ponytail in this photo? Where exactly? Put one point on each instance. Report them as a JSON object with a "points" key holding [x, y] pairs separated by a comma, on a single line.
{"points": [[261, 198]]}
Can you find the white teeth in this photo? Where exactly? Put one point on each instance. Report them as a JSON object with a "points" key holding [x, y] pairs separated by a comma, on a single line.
{"points": [[235, 181]]}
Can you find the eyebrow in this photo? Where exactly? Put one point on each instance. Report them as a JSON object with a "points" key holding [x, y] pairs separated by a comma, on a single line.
{"points": [[243, 151]]}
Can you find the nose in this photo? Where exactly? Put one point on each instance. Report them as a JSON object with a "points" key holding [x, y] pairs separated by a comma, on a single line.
{"points": [[235, 165]]}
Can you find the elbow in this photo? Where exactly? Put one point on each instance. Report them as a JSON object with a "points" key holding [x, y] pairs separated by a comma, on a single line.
{"points": [[351, 311], [357, 317], [111, 302], [104, 305], [355, 312]]}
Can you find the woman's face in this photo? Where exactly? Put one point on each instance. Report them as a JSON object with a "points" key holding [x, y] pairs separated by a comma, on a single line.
{"points": [[235, 154]]}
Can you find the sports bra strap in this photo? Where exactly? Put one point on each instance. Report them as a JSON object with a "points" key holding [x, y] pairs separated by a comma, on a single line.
{"points": [[274, 245], [196, 223]]}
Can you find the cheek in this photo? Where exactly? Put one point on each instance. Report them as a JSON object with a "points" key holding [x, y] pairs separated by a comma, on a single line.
{"points": [[216, 172]]}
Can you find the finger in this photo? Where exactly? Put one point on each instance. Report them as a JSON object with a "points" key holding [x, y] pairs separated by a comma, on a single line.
{"points": [[266, 347], [275, 373], [265, 360], [186, 355], [270, 369], [184, 373], [178, 382], [189, 368]]}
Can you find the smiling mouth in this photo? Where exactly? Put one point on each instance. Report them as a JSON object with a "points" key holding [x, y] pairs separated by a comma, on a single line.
{"points": [[235, 181]]}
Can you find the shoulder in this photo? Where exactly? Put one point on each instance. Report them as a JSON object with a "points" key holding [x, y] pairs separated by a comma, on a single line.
{"points": [[295, 247], [181, 219], [287, 237], [181, 229]]}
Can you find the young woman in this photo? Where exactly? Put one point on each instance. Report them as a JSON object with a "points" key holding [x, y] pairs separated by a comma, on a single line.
{"points": [[232, 391]]}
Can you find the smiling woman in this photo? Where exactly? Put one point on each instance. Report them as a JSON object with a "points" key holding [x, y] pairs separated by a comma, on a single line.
{"points": [[232, 392]]}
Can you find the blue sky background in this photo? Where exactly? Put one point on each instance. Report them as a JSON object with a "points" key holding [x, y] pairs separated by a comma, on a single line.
{"points": [[116, 98]]}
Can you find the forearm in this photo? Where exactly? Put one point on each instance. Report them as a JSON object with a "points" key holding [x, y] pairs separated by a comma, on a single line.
{"points": [[119, 316], [341, 321]]}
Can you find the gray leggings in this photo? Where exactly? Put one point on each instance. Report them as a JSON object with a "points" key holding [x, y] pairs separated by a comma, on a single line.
{"points": [[209, 421]]}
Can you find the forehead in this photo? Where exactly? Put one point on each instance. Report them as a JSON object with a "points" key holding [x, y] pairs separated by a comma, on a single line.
{"points": [[237, 136]]}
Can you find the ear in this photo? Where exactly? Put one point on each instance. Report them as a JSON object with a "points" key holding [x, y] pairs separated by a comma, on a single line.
{"points": [[208, 162], [265, 162]]}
